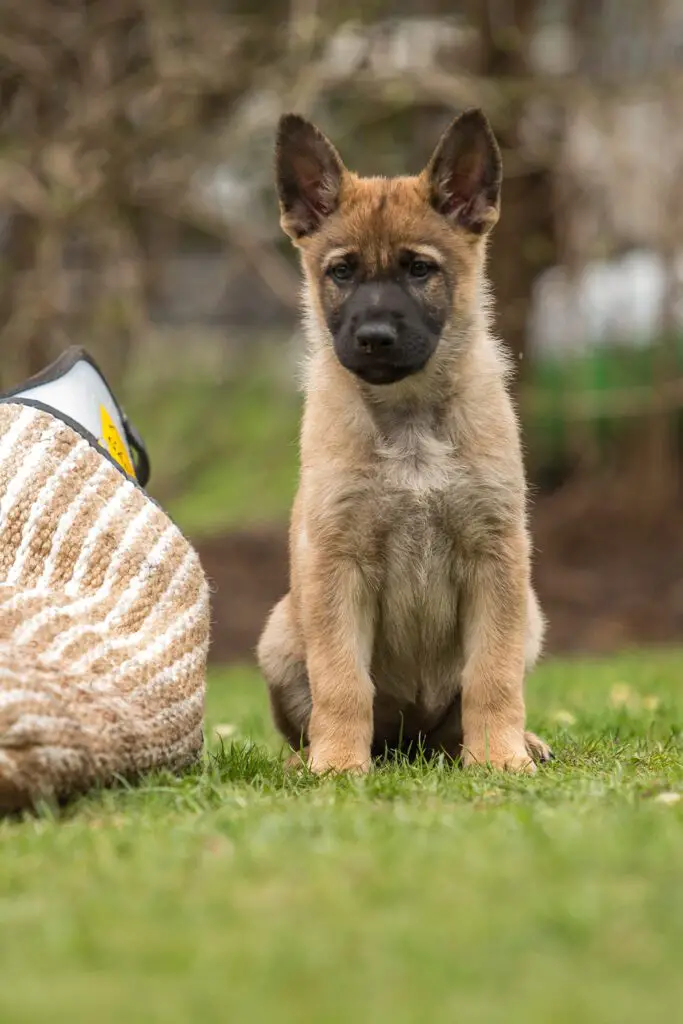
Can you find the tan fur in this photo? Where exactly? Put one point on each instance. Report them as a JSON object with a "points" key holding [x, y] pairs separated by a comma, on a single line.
{"points": [[410, 614]]}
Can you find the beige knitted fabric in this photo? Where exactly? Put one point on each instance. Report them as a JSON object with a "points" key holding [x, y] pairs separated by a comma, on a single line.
{"points": [[104, 619]]}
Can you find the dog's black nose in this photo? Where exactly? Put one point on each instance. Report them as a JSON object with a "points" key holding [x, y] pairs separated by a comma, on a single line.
{"points": [[376, 336]]}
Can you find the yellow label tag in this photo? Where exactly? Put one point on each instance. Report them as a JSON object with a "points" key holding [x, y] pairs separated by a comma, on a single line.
{"points": [[112, 441]]}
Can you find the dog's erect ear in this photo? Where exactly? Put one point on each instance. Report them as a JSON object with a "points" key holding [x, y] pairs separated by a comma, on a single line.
{"points": [[309, 173], [465, 172]]}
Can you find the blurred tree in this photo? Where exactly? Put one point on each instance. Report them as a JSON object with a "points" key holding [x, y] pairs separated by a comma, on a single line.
{"points": [[523, 244], [136, 159], [106, 112]]}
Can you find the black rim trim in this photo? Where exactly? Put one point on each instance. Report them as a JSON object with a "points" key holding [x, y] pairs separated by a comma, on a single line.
{"points": [[75, 354]]}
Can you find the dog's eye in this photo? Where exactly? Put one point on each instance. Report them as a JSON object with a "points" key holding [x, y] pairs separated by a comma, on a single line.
{"points": [[421, 269], [341, 272]]}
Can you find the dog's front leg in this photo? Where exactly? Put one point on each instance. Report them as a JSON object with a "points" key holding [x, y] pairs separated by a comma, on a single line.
{"points": [[338, 613], [495, 614]]}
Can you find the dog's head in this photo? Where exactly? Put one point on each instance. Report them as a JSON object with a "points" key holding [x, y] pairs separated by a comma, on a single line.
{"points": [[391, 264]]}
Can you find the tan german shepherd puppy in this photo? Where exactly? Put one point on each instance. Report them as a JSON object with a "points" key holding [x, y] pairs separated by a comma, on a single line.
{"points": [[411, 619]]}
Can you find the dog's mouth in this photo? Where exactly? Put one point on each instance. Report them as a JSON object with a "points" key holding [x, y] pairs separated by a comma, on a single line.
{"points": [[380, 367], [378, 374]]}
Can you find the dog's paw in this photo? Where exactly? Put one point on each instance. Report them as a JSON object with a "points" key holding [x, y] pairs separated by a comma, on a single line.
{"points": [[338, 761], [521, 763], [537, 748], [506, 758], [296, 761]]}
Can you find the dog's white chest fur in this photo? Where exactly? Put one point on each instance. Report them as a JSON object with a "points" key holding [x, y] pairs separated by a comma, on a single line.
{"points": [[416, 636], [415, 460]]}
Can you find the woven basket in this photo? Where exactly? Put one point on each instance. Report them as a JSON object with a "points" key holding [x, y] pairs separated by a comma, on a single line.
{"points": [[104, 619]]}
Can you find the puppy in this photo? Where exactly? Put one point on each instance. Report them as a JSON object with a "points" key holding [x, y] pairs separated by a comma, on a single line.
{"points": [[411, 618]]}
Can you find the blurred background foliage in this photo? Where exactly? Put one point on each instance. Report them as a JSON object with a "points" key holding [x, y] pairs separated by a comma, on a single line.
{"points": [[138, 218]]}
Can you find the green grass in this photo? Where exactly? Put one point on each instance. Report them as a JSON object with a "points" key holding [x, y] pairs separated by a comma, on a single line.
{"points": [[419, 893], [224, 448]]}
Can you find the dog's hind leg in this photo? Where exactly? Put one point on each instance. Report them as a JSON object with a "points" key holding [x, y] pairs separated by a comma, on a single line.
{"points": [[281, 658], [535, 632]]}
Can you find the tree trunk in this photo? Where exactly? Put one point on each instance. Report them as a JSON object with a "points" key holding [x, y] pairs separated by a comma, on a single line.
{"points": [[523, 242]]}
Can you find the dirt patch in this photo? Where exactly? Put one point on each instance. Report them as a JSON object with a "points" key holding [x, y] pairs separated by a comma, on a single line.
{"points": [[609, 575], [248, 572], [608, 578]]}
